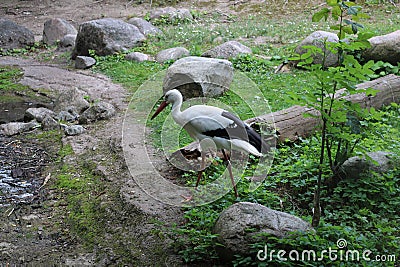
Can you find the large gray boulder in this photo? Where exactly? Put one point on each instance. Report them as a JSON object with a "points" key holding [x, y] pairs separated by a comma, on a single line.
{"points": [[227, 50], [355, 167], [13, 35], [199, 76], [385, 48], [172, 54], [234, 223], [318, 39], [106, 36], [145, 27], [55, 29]]}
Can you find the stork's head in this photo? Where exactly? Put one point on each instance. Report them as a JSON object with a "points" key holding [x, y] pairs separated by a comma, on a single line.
{"points": [[171, 97]]}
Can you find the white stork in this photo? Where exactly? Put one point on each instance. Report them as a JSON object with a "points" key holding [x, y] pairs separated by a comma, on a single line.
{"points": [[224, 128]]}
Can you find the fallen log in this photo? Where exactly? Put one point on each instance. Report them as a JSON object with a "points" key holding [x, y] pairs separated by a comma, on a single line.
{"points": [[292, 124]]}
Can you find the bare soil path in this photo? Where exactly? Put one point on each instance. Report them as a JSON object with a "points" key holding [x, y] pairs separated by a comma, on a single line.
{"points": [[36, 231]]}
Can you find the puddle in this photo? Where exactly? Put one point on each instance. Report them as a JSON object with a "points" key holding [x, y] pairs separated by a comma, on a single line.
{"points": [[15, 111], [20, 170]]}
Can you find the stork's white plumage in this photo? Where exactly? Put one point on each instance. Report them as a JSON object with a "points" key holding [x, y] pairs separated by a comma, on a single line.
{"points": [[225, 129]]}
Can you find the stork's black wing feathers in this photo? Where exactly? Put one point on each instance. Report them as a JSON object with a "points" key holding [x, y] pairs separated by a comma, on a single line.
{"points": [[237, 130]]}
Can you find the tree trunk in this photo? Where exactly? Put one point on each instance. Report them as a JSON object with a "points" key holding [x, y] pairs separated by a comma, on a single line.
{"points": [[292, 124]]}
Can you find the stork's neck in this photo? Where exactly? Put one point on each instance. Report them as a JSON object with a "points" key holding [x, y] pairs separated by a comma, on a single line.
{"points": [[176, 111]]}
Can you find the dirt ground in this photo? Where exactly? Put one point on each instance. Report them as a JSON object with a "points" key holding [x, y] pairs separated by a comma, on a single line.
{"points": [[33, 13]]}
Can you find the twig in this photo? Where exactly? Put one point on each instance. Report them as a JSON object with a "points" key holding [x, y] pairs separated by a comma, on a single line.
{"points": [[45, 180], [11, 212]]}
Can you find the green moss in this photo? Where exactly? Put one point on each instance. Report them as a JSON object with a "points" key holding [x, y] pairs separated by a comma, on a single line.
{"points": [[65, 150], [11, 91], [9, 78]]}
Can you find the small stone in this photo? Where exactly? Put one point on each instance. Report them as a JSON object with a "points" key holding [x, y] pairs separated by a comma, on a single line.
{"points": [[38, 113], [145, 27], [83, 62], [74, 129], [49, 123], [227, 50], [68, 115], [72, 97], [172, 54], [137, 56], [99, 111], [14, 128], [68, 40]]}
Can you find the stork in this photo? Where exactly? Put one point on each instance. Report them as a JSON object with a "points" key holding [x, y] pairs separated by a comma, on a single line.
{"points": [[224, 128]]}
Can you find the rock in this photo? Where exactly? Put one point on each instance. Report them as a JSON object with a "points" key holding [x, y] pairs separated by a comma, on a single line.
{"points": [[13, 35], [73, 129], [72, 97], [38, 114], [137, 56], [227, 50], [68, 115], [145, 27], [172, 54], [106, 36], [55, 29], [13, 128], [199, 76], [385, 48], [68, 40], [233, 224], [99, 111], [317, 39], [49, 123], [161, 12], [171, 14], [181, 14], [83, 62], [356, 167]]}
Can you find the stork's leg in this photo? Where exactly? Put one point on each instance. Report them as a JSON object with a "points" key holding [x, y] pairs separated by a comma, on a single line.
{"points": [[202, 166], [230, 172]]}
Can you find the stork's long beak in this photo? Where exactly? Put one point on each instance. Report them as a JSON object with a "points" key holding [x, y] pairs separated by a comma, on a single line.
{"points": [[160, 108]]}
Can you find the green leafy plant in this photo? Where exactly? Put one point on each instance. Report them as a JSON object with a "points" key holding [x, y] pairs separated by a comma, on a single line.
{"points": [[341, 128]]}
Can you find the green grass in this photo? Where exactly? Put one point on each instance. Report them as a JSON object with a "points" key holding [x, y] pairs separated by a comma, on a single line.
{"points": [[9, 77], [128, 73]]}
